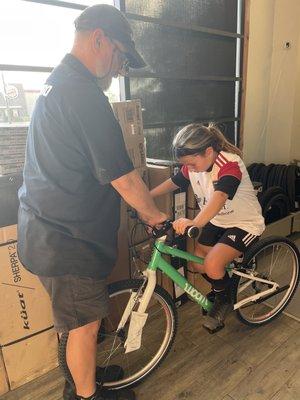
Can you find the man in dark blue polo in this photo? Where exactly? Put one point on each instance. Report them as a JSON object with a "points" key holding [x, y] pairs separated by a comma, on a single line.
{"points": [[76, 169]]}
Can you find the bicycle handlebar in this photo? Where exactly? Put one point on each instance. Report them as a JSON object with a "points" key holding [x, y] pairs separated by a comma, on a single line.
{"points": [[191, 231]]}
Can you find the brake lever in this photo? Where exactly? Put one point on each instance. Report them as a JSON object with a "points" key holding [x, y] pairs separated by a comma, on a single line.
{"points": [[159, 232]]}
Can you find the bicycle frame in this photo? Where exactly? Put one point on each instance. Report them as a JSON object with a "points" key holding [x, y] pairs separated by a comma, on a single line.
{"points": [[158, 262]]}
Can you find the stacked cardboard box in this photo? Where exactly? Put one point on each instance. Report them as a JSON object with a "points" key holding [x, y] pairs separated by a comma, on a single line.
{"points": [[27, 338], [174, 205], [129, 115], [12, 149], [140, 256], [193, 276]]}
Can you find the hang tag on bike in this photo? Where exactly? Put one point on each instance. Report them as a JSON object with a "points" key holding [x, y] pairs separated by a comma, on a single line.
{"points": [[134, 337], [179, 205]]}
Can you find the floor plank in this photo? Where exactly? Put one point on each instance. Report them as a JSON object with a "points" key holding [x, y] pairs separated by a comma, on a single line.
{"points": [[268, 377], [216, 380], [290, 390]]}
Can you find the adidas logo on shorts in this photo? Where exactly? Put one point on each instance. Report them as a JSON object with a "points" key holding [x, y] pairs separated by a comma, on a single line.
{"points": [[232, 237]]}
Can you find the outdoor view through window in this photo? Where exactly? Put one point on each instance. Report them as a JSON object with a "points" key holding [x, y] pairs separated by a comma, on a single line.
{"points": [[33, 35]]}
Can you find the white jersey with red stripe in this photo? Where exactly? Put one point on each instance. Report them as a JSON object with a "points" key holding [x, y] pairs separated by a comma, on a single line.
{"points": [[244, 210]]}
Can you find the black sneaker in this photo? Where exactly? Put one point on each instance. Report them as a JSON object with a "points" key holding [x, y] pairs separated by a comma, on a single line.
{"points": [[103, 394], [214, 321], [108, 374]]}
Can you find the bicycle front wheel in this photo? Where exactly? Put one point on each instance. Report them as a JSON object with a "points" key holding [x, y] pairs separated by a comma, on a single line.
{"points": [[157, 337], [275, 259]]}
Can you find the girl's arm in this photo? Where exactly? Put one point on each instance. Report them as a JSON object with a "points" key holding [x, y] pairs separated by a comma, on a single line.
{"points": [[215, 204], [165, 187]]}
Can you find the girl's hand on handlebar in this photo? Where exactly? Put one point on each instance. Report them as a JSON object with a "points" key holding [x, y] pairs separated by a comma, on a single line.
{"points": [[181, 224]]}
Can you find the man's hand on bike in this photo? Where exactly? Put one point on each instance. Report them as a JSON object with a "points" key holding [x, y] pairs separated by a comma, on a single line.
{"points": [[181, 224], [155, 220]]}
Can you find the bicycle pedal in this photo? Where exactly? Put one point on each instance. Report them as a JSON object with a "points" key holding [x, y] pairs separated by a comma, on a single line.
{"points": [[217, 329]]}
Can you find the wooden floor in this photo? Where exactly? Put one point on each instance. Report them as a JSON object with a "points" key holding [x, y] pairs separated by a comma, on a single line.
{"points": [[237, 363]]}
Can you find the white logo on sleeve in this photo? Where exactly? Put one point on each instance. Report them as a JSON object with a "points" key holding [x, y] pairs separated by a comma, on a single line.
{"points": [[232, 237], [46, 90]]}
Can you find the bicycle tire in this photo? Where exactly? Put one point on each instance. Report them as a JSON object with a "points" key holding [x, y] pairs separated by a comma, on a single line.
{"points": [[138, 376], [256, 255]]}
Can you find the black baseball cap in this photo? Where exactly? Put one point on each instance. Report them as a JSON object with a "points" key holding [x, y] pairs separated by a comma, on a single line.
{"points": [[114, 24]]}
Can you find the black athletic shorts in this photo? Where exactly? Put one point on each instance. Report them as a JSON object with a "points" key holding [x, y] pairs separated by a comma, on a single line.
{"points": [[76, 300], [234, 237]]}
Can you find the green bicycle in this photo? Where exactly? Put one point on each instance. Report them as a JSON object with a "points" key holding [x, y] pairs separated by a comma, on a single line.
{"points": [[141, 327]]}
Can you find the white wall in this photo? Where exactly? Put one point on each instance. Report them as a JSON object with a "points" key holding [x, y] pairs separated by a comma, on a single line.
{"points": [[273, 83], [295, 143], [258, 79]]}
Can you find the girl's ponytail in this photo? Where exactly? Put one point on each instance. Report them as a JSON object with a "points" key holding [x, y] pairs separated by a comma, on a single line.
{"points": [[196, 138], [224, 144]]}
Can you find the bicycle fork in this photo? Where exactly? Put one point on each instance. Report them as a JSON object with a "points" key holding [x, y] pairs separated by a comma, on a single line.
{"points": [[137, 318]]}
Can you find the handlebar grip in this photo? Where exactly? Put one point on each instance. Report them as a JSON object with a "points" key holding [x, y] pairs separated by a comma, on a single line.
{"points": [[192, 231]]}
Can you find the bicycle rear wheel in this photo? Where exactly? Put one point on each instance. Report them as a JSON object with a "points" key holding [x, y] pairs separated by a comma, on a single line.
{"points": [[275, 259], [157, 337]]}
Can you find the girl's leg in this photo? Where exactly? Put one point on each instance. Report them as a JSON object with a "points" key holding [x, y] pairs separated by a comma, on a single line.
{"points": [[215, 268], [218, 258], [200, 251]]}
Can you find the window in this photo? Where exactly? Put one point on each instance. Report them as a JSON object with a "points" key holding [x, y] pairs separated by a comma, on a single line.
{"points": [[192, 51], [34, 37]]}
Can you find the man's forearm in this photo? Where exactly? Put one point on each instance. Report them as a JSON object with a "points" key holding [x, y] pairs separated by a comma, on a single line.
{"points": [[134, 191], [215, 204]]}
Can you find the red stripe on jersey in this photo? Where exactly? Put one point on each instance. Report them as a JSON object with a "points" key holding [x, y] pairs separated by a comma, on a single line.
{"points": [[231, 168], [218, 163], [185, 172]]}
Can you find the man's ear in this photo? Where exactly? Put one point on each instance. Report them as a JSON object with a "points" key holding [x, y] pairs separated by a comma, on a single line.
{"points": [[98, 36]]}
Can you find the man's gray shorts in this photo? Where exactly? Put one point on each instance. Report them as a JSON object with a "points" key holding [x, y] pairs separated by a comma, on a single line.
{"points": [[76, 300]]}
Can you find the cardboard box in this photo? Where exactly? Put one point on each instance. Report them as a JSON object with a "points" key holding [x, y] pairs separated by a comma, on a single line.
{"points": [[122, 267], [157, 175], [191, 199], [194, 277], [139, 261], [173, 204], [129, 116], [140, 256], [192, 213], [4, 386], [25, 306], [282, 227], [30, 358], [27, 337]]}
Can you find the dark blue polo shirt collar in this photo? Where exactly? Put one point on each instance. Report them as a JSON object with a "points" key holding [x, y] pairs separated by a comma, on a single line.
{"points": [[77, 65]]}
